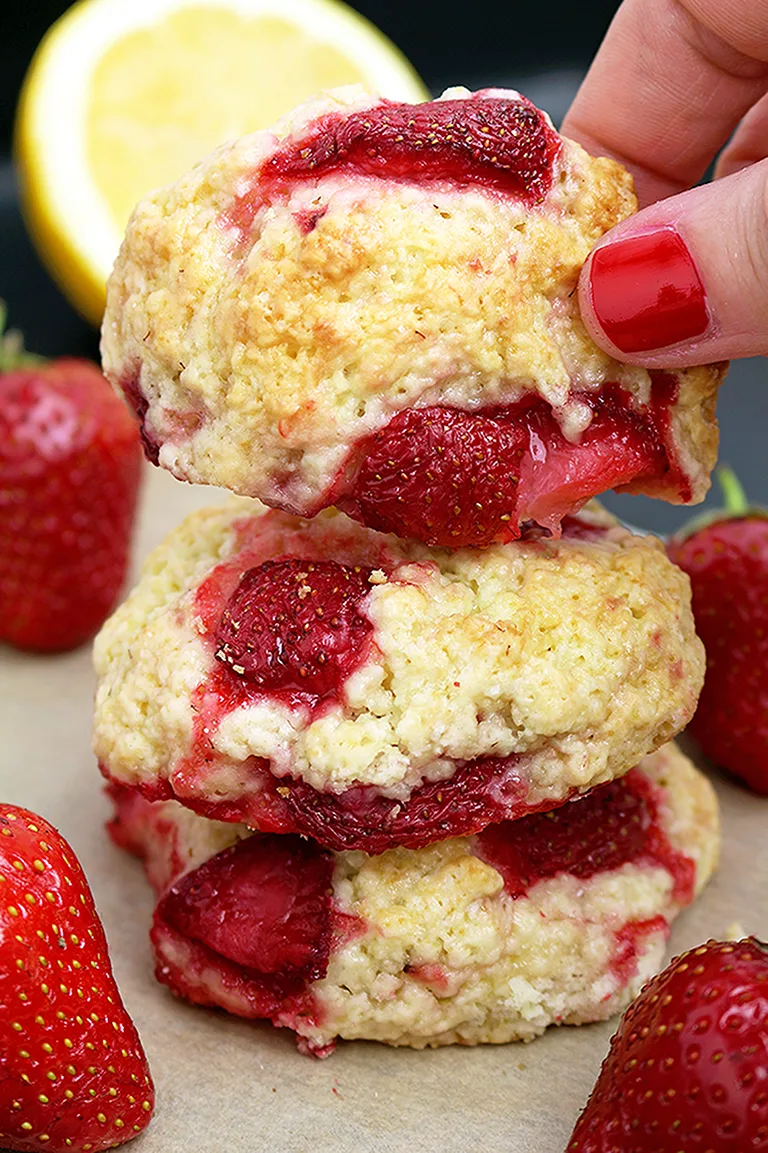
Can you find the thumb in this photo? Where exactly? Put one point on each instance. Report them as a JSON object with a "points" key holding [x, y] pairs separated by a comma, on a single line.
{"points": [[685, 281]]}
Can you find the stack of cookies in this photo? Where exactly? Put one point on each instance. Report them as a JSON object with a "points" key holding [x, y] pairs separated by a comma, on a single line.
{"points": [[394, 749]]}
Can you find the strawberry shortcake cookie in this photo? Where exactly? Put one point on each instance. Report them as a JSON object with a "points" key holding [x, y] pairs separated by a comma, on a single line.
{"points": [[321, 678], [556, 918], [372, 306]]}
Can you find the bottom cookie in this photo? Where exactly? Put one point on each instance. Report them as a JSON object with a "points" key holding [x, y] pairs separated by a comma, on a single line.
{"points": [[556, 918]]}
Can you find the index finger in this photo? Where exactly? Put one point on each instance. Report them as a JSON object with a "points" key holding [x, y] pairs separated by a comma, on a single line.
{"points": [[670, 83]]}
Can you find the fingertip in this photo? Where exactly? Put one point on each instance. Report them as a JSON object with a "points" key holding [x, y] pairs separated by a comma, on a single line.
{"points": [[592, 322], [641, 296], [685, 281], [587, 310]]}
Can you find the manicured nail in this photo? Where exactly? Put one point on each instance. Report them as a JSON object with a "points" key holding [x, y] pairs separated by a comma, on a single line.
{"points": [[646, 292]]}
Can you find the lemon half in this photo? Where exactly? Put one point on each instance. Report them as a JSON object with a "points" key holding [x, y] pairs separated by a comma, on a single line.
{"points": [[125, 95]]}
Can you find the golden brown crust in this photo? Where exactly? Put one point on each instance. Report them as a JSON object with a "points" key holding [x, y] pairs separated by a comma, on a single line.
{"points": [[691, 814], [264, 358], [578, 656], [696, 435], [445, 955]]}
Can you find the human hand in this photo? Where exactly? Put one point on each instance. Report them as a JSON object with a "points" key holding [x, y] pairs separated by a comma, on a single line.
{"points": [[685, 281]]}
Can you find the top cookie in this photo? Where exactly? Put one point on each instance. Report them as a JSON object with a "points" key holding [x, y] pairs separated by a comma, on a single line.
{"points": [[315, 311]]}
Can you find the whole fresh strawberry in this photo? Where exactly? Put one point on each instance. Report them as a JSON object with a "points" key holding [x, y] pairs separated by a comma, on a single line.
{"points": [[688, 1068], [73, 1075], [726, 557], [70, 461]]}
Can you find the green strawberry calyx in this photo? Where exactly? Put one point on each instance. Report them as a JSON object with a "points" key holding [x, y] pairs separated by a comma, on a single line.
{"points": [[13, 354], [735, 507], [734, 497]]}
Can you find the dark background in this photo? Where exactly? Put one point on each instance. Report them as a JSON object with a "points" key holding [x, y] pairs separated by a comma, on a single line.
{"points": [[542, 48]]}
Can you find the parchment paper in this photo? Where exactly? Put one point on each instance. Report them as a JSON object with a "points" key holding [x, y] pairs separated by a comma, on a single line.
{"points": [[228, 1086]]}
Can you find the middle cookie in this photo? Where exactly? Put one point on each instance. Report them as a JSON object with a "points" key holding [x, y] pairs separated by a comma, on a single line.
{"points": [[321, 678]]}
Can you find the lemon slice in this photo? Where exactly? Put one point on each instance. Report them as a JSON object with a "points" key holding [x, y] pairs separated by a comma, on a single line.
{"points": [[125, 95]]}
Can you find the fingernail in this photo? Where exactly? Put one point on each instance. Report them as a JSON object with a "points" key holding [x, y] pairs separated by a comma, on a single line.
{"points": [[646, 292]]}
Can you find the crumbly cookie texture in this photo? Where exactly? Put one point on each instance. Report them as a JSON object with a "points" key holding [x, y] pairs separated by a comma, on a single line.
{"points": [[437, 950], [575, 657], [262, 330]]}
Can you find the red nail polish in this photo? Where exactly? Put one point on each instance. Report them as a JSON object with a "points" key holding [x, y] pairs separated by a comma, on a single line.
{"points": [[647, 293]]}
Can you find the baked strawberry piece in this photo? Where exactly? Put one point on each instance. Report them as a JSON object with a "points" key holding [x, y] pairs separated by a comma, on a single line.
{"points": [[70, 464], [373, 306], [726, 556], [687, 1068], [317, 677], [554, 919], [74, 1074]]}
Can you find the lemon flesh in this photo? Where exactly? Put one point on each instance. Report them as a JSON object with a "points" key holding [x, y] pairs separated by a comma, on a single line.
{"points": [[202, 76]]}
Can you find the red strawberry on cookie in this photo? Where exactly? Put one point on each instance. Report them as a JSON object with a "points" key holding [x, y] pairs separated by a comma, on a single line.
{"points": [[726, 557], [688, 1068], [296, 624], [73, 1074], [460, 478], [70, 462], [259, 911]]}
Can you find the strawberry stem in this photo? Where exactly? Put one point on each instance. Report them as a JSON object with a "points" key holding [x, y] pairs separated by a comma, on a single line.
{"points": [[733, 493], [12, 351]]}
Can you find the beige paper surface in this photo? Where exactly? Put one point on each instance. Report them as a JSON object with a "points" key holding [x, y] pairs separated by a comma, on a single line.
{"points": [[228, 1086]]}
